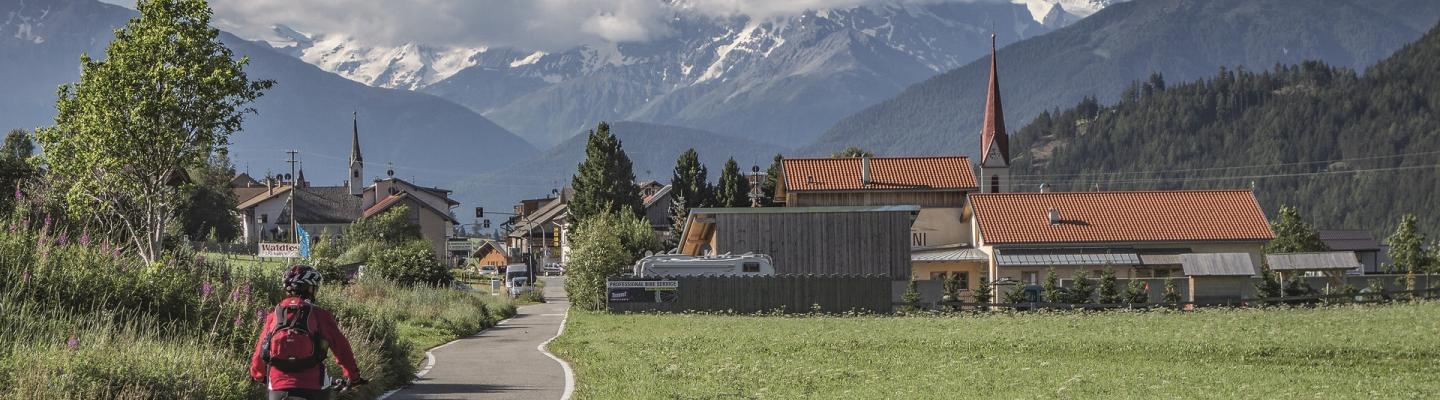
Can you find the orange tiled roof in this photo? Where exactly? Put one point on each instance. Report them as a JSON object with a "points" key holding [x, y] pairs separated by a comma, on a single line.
{"points": [[886, 173], [1165, 216]]}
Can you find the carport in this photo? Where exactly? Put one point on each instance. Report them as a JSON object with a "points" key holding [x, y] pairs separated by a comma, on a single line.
{"points": [[1219, 276], [1332, 264]]}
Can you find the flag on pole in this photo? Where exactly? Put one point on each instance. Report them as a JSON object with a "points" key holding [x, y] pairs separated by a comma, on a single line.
{"points": [[304, 242]]}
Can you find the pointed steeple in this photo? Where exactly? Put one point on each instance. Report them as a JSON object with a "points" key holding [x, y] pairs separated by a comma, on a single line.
{"points": [[992, 134], [355, 138]]}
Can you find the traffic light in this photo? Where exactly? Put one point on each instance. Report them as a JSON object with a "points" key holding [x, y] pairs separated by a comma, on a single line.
{"points": [[479, 212]]}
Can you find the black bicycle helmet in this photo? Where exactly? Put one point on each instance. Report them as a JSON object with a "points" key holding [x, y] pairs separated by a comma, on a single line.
{"points": [[298, 276]]}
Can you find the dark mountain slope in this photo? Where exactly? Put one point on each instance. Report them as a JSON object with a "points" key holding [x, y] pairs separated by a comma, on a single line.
{"points": [[1102, 54], [1352, 151]]}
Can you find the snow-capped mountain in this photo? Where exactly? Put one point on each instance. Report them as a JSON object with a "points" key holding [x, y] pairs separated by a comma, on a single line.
{"points": [[410, 66], [1042, 9]]}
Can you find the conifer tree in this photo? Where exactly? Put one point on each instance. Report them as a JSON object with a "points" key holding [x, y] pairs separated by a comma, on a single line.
{"points": [[734, 189], [689, 188], [1052, 293], [1293, 235], [605, 181], [1083, 289], [1406, 246], [1268, 286], [1109, 292], [1136, 292], [984, 291], [773, 179]]}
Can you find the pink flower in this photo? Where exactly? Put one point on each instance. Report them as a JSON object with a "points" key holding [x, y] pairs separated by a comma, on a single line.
{"points": [[238, 320], [85, 239], [205, 290], [73, 343], [19, 196], [241, 292], [63, 239], [47, 220], [260, 315]]}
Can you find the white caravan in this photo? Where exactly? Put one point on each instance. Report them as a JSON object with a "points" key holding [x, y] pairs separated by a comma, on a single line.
{"points": [[679, 265]]}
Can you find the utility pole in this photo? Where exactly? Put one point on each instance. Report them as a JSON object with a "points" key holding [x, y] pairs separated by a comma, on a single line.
{"points": [[294, 232]]}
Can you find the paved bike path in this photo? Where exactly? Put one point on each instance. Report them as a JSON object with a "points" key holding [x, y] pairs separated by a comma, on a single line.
{"points": [[503, 362]]}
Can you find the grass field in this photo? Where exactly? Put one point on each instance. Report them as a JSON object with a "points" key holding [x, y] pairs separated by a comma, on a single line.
{"points": [[1390, 351]]}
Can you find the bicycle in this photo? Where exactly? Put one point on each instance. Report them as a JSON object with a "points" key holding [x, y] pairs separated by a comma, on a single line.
{"points": [[339, 385]]}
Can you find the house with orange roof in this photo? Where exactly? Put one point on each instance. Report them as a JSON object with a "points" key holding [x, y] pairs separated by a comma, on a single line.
{"points": [[1140, 234]]}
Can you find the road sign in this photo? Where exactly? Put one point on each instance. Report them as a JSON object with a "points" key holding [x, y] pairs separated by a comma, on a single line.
{"points": [[280, 250]]}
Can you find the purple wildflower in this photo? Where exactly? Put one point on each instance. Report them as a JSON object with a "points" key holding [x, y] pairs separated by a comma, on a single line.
{"points": [[73, 343], [115, 253], [25, 277], [47, 220], [241, 292], [199, 259], [63, 239], [85, 239], [260, 315], [205, 290], [239, 321], [19, 196]]}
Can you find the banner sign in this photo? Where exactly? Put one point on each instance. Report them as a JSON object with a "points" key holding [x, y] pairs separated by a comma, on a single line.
{"points": [[280, 250], [642, 291], [304, 243]]}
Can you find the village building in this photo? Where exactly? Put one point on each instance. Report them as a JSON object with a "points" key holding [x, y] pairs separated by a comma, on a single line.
{"points": [[657, 212], [494, 253], [852, 240], [1370, 252], [327, 211], [1140, 234], [542, 235]]}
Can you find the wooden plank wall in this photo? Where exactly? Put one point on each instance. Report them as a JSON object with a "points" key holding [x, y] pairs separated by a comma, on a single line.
{"points": [[785, 293], [822, 243]]}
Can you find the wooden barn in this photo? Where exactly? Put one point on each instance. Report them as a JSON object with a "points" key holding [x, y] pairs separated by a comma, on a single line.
{"points": [[808, 240]]}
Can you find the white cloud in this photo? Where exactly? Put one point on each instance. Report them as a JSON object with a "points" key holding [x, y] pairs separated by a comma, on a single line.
{"points": [[547, 25]]}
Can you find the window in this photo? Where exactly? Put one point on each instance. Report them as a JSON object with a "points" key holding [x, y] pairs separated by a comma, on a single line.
{"points": [[1030, 277], [264, 218], [995, 184], [944, 275], [750, 267], [918, 239], [964, 280], [938, 275], [354, 173]]}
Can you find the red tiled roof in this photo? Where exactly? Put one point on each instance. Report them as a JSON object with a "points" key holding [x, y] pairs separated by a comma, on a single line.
{"points": [[384, 204], [886, 173], [1154, 216]]}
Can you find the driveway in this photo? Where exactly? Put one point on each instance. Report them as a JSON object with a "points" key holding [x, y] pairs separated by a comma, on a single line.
{"points": [[503, 362]]}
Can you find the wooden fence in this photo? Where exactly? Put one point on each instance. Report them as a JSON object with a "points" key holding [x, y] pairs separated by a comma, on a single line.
{"points": [[1357, 298], [784, 293]]}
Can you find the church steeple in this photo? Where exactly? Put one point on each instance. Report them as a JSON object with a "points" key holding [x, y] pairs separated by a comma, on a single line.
{"points": [[994, 142], [357, 163]]}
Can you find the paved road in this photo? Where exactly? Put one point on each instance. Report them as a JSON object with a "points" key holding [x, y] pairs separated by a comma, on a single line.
{"points": [[503, 362]]}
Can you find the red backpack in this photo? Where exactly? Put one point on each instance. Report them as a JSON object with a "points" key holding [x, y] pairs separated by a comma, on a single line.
{"points": [[293, 346]]}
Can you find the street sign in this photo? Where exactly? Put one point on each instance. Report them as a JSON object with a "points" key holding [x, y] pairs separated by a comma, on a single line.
{"points": [[280, 250], [642, 291], [457, 245]]}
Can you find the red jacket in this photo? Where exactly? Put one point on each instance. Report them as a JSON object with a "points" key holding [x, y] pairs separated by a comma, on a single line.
{"points": [[324, 324]]}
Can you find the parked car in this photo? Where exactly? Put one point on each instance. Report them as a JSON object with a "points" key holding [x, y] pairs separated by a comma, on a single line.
{"points": [[489, 269], [553, 269]]}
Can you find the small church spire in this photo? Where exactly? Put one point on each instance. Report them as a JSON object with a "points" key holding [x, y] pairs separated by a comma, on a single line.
{"points": [[992, 134], [357, 164]]}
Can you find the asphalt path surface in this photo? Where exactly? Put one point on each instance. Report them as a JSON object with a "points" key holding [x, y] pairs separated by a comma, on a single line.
{"points": [[503, 362]]}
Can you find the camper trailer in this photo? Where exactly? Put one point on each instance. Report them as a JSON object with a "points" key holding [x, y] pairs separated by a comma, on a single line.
{"points": [[680, 265]]}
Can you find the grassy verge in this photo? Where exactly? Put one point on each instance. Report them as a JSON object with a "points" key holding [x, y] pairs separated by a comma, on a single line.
{"points": [[1338, 352]]}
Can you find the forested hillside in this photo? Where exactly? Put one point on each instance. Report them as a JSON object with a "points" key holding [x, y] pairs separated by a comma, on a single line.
{"points": [[1099, 56], [1350, 150]]}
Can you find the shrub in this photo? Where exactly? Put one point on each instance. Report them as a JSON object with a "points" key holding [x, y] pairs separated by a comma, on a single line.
{"points": [[599, 251], [1016, 295], [1297, 285], [1268, 287], [411, 263], [911, 297], [1172, 293], [1052, 292], [984, 291], [1136, 292]]}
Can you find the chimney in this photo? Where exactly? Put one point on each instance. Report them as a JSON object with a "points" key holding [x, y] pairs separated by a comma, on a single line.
{"points": [[1044, 188], [1054, 215], [269, 185], [864, 171]]}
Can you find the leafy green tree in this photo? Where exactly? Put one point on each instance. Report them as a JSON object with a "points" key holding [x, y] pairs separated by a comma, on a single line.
{"points": [[1109, 291], [984, 292], [598, 252], [1052, 292], [390, 227], [15, 169], [1268, 286], [209, 209], [774, 176], [1083, 290], [734, 189], [1406, 246], [1136, 292], [689, 188], [605, 181], [852, 152], [1293, 235], [411, 263], [1171, 293], [167, 96]]}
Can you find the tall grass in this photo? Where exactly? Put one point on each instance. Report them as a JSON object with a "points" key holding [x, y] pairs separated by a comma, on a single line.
{"points": [[84, 320]]}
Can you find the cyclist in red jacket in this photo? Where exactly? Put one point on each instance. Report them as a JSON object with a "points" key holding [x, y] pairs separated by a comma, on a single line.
{"points": [[290, 353]]}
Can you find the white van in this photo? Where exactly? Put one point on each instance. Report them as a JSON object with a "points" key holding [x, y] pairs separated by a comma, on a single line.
{"points": [[678, 265]]}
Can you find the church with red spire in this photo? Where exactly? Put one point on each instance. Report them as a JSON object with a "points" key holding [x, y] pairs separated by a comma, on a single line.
{"points": [[994, 142]]}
